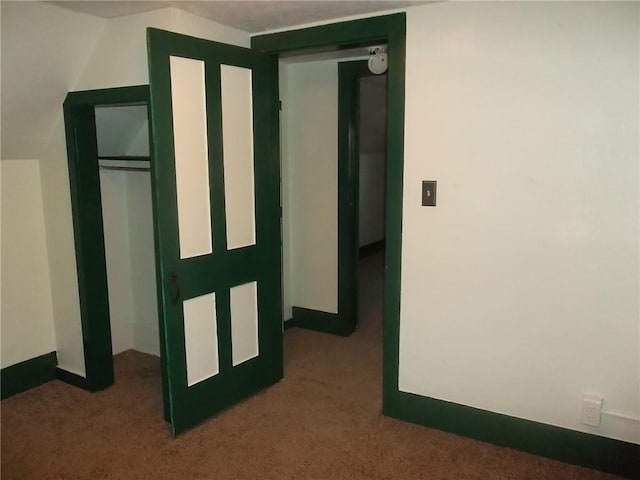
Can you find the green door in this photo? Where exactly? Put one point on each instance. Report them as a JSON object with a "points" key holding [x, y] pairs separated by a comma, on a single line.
{"points": [[216, 194]]}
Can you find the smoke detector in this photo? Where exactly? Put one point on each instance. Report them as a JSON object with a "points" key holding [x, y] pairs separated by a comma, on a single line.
{"points": [[378, 60]]}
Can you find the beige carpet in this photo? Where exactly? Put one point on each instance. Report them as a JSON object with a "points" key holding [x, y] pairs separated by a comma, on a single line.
{"points": [[322, 421]]}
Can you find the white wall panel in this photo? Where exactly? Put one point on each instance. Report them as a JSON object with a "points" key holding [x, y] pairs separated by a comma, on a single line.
{"points": [[201, 338], [237, 144], [244, 322], [188, 102]]}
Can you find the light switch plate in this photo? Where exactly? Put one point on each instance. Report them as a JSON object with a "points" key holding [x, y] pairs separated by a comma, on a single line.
{"points": [[429, 193]]}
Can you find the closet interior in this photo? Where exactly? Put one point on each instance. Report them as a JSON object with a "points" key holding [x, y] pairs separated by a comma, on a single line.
{"points": [[125, 184]]}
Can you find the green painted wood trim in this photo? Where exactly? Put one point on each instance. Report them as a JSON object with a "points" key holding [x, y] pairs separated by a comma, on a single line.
{"points": [[29, 374], [86, 208], [127, 158], [371, 248], [318, 321], [109, 97], [74, 380], [591, 451], [286, 325], [343, 35], [390, 29]]}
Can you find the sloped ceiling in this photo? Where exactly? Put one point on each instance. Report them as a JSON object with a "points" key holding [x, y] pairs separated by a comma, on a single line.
{"points": [[44, 50], [250, 16]]}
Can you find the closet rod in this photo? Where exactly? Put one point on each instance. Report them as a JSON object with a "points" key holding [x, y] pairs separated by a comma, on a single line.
{"points": [[128, 169], [126, 158]]}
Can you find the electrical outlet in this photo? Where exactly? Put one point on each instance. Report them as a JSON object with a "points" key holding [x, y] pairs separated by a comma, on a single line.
{"points": [[591, 410]]}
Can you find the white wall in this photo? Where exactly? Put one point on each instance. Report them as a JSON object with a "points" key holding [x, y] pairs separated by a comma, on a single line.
{"points": [[520, 290], [59, 51], [130, 258], [44, 49], [115, 213], [309, 93], [128, 231], [26, 328], [146, 337]]}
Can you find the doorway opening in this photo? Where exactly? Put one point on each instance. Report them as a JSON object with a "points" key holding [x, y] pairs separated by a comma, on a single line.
{"points": [[327, 214], [333, 137], [122, 133], [108, 142], [389, 30]]}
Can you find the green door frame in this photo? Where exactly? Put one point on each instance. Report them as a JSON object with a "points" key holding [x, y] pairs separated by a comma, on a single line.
{"points": [[88, 230], [389, 29]]}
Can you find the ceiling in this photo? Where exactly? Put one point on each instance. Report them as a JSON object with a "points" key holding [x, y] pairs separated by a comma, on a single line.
{"points": [[250, 16]]}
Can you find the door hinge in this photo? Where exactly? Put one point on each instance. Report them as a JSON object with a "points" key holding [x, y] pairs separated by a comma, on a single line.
{"points": [[280, 105]]}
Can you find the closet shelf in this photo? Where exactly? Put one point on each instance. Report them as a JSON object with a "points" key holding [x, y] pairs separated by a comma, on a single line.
{"points": [[130, 163], [126, 169], [127, 158]]}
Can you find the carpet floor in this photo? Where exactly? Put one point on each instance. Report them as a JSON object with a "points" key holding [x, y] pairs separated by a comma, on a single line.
{"points": [[323, 421]]}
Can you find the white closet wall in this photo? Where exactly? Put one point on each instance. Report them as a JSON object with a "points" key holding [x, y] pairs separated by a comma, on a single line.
{"points": [[128, 231]]}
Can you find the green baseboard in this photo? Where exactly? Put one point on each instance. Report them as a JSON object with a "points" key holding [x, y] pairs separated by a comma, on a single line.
{"points": [[75, 380], [591, 451], [29, 374], [318, 321]]}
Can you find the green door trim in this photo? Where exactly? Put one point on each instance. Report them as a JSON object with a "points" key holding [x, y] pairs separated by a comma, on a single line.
{"points": [[23, 376], [389, 29], [88, 232]]}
